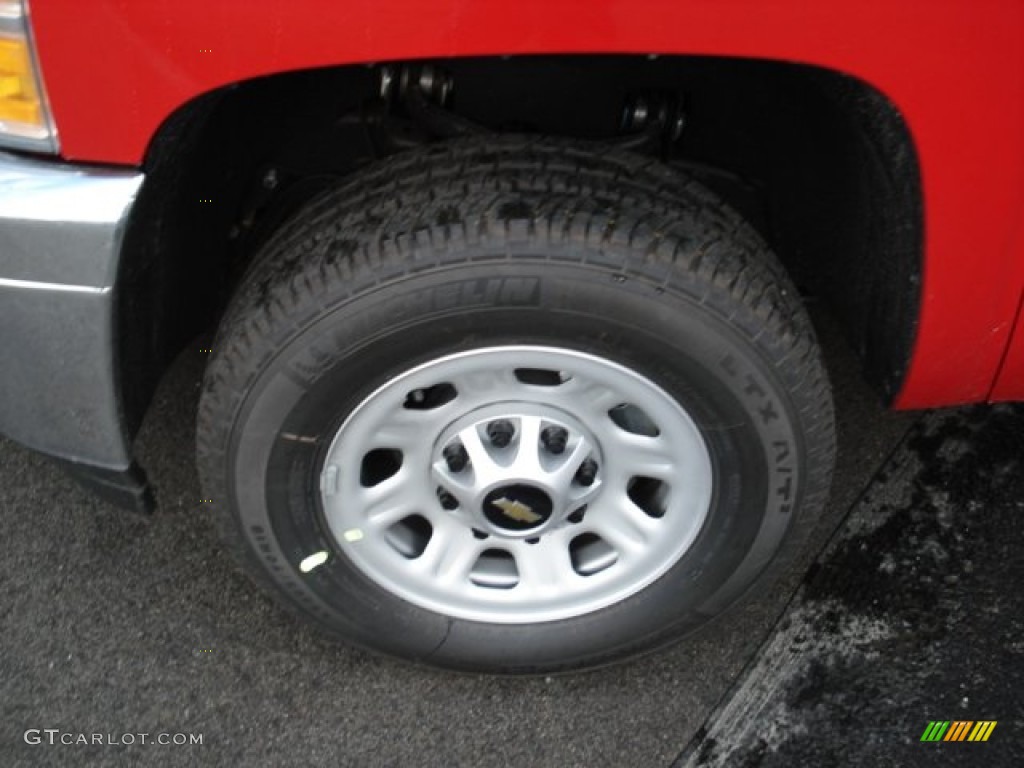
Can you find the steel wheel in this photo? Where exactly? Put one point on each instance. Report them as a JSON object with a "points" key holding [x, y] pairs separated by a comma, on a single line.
{"points": [[516, 484]]}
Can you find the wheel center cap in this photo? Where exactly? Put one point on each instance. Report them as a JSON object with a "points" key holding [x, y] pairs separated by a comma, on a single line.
{"points": [[517, 507]]}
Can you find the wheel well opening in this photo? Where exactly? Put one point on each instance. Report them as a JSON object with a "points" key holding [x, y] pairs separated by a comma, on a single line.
{"points": [[820, 163]]}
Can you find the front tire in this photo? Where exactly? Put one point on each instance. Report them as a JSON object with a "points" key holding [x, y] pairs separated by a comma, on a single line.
{"points": [[514, 406]]}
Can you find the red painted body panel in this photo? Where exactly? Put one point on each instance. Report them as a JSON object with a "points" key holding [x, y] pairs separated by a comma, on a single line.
{"points": [[1010, 383], [114, 69]]}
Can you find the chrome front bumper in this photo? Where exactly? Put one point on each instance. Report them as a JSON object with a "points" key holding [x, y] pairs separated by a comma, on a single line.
{"points": [[61, 229]]}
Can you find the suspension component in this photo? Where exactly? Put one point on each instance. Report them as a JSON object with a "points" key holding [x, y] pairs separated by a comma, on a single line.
{"points": [[651, 121], [427, 80]]}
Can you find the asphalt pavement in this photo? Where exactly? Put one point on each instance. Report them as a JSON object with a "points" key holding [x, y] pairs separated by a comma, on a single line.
{"points": [[905, 644], [112, 624]]}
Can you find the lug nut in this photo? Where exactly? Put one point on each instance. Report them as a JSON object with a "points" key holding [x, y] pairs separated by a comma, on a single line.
{"points": [[500, 432], [447, 500], [587, 472], [554, 439], [455, 457]]}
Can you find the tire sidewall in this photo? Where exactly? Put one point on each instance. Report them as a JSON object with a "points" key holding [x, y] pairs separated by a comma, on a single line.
{"points": [[725, 382]]}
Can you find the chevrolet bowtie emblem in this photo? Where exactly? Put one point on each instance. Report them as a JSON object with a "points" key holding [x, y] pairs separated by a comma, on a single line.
{"points": [[516, 510]]}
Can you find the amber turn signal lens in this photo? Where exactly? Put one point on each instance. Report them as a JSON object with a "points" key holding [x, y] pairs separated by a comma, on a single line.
{"points": [[19, 97], [24, 114]]}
